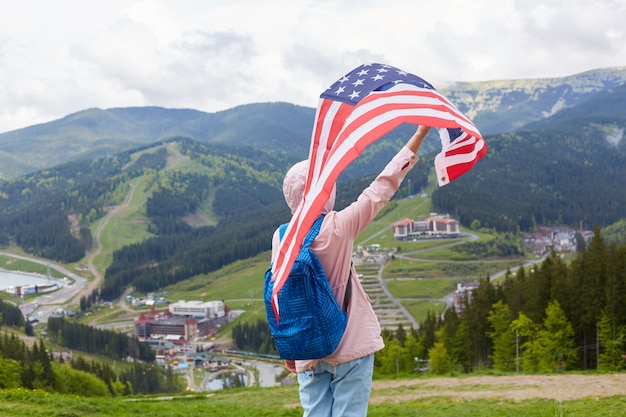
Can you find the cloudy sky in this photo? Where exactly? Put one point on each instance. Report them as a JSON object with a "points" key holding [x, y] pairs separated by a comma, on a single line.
{"points": [[59, 57]]}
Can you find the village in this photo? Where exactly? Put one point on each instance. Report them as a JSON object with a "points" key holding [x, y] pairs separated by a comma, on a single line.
{"points": [[541, 242], [545, 239]]}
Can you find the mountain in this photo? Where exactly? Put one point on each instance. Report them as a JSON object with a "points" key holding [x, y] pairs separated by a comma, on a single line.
{"points": [[210, 201], [96, 133], [506, 105], [563, 170], [495, 107], [196, 208]]}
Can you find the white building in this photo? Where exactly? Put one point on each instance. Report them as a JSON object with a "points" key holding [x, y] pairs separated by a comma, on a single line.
{"points": [[209, 309], [433, 226], [463, 289]]}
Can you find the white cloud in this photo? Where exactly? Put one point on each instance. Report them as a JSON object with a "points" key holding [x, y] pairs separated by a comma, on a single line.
{"points": [[64, 56]]}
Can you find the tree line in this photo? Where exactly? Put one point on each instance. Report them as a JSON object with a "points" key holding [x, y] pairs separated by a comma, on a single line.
{"points": [[34, 209], [90, 339], [35, 368], [254, 337], [11, 315], [558, 176], [554, 316]]}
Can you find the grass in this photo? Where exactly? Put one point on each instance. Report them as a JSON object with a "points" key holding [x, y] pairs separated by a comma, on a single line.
{"points": [[241, 280], [127, 226], [419, 309], [283, 402], [422, 288], [407, 268], [15, 264]]}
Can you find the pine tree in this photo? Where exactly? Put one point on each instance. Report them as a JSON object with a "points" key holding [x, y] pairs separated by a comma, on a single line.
{"points": [[475, 318], [503, 338], [556, 339], [612, 340], [593, 275], [440, 362], [530, 348]]}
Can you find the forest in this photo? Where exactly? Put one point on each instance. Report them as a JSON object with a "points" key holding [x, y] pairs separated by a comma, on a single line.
{"points": [[249, 209], [89, 339], [553, 177], [510, 191], [34, 368], [555, 316]]}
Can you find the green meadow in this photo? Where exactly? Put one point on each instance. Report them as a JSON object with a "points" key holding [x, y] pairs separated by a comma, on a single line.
{"points": [[283, 402]]}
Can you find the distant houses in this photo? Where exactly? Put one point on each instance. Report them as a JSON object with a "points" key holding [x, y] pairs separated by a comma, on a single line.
{"points": [[561, 240], [463, 291], [433, 226]]}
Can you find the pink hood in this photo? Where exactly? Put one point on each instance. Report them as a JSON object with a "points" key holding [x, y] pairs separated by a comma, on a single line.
{"points": [[293, 187]]}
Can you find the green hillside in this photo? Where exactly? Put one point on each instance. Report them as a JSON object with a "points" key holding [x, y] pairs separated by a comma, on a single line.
{"points": [[98, 133], [431, 397], [497, 106], [566, 169]]}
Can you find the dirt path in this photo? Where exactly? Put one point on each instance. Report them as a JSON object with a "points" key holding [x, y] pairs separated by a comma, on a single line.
{"points": [[515, 388], [96, 238]]}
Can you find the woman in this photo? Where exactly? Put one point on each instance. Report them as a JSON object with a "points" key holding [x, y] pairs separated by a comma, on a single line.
{"points": [[340, 384]]}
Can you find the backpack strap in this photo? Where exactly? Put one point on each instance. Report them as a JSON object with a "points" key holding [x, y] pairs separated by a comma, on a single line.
{"points": [[348, 293], [311, 234], [309, 238]]}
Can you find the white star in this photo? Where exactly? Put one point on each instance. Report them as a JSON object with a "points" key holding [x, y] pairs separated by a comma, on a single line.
{"points": [[383, 70], [401, 72], [340, 90], [377, 77], [358, 82], [362, 72], [343, 80], [354, 94]]}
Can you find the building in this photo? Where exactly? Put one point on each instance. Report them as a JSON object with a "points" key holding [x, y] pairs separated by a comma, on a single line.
{"points": [[178, 328], [434, 226], [29, 289], [463, 290], [213, 309]]}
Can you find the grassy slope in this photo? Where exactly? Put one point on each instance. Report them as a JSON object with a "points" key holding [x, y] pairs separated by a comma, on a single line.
{"points": [[420, 283], [420, 280], [283, 402], [240, 284]]}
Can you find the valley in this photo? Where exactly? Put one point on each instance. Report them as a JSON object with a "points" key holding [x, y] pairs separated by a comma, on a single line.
{"points": [[393, 307]]}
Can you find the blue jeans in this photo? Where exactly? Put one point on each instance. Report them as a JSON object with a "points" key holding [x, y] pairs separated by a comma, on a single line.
{"points": [[340, 392]]}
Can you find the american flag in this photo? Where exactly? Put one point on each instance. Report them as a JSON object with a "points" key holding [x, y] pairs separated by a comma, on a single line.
{"points": [[355, 111]]}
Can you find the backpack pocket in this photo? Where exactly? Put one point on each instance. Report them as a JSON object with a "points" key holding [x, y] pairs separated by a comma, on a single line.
{"points": [[300, 339]]}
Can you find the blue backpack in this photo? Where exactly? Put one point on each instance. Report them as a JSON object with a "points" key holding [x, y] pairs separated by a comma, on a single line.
{"points": [[311, 322]]}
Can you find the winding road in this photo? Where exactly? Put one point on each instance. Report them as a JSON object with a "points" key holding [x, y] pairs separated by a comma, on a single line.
{"points": [[45, 304], [91, 255], [448, 299]]}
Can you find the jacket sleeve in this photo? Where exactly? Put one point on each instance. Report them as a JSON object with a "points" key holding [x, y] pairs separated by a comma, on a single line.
{"points": [[353, 219]]}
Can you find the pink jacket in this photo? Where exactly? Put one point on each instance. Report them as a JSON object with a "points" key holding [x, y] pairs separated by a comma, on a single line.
{"points": [[334, 245]]}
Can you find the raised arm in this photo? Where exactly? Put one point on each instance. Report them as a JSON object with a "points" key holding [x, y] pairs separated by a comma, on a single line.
{"points": [[416, 140]]}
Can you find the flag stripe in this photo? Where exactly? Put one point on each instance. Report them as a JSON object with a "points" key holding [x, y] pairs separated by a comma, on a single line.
{"points": [[344, 129]]}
